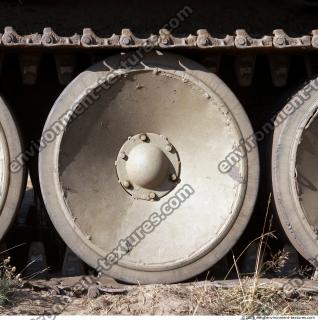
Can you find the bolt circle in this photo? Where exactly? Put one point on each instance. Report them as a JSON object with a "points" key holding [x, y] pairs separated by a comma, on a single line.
{"points": [[144, 165]]}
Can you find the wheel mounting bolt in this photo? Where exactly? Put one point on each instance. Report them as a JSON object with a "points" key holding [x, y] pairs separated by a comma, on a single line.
{"points": [[152, 195], [163, 137], [122, 155], [173, 177], [126, 184], [143, 137], [169, 147]]}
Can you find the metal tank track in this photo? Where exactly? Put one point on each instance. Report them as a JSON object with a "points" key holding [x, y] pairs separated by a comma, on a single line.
{"points": [[278, 40], [278, 46]]}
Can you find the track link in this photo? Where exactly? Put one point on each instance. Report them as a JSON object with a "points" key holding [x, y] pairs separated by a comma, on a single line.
{"points": [[202, 39]]}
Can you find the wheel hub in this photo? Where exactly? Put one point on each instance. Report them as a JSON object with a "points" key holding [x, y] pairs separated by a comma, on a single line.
{"points": [[202, 120], [148, 166]]}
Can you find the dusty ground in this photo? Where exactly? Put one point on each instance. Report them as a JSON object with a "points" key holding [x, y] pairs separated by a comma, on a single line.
{"points": [[201, 298]]}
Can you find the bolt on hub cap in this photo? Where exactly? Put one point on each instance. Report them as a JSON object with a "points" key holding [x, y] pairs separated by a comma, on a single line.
{"points": [[148, 166]]}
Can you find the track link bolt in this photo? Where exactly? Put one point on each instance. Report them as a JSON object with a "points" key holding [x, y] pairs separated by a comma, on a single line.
{"points": [[240, 41], [9, 38], [87, 40], [48, 39], [202, 41], [315, 42], [280, 41], [125, 41], [165, 41]]}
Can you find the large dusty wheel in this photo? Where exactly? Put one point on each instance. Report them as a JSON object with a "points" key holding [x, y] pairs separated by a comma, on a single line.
{"points": [[294, 170], [137, 136], [12, 169]]}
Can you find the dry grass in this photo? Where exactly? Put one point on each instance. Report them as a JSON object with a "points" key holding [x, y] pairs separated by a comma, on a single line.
{"points": [[247, 299], [250, 298], [253, 300], [8, 279], [253, 296], [200, 298]]}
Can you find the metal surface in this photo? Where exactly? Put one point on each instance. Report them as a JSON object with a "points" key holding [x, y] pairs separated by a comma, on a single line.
{"points": [[201, 38], [148, 166], [4, 168], [12, 182], [307, 173], [294, 170], [163, 95], [277, 46]]}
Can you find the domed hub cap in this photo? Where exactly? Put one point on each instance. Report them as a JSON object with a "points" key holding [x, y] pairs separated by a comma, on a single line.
{"points": [[148, 166]]}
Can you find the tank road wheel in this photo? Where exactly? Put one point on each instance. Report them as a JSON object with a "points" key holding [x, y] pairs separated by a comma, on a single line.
{"points": [[295, 170], [12, 170], [147, 141]]}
